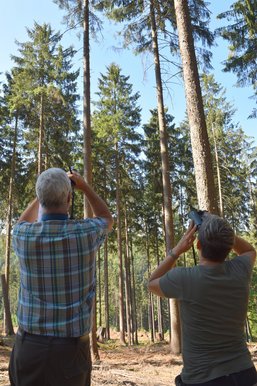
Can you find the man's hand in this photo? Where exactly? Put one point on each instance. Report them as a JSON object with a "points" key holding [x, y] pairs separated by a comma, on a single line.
{"points": [[79, 182], [98, 206], [186, 242]]}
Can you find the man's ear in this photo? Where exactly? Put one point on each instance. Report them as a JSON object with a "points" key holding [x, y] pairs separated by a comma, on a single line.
{"points": [[69, 199], [198, 245]]}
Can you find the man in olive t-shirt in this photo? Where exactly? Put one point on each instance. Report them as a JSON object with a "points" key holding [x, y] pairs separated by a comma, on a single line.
{"points": [[213, 304]]}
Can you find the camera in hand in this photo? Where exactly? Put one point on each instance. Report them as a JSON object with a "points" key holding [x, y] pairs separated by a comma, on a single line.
{"points": [[197, 216]]}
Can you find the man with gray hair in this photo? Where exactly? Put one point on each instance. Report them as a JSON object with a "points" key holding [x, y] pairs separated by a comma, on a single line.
{"points": [[57, 283], [213, 304]]}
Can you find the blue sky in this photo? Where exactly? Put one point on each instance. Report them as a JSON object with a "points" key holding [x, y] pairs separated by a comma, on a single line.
{"points": [[16, 15]]}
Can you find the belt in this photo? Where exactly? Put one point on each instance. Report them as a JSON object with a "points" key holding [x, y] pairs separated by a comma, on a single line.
{"points": [[51, 339]]}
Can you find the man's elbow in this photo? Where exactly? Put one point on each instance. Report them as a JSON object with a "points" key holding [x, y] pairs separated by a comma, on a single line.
{"points": [[110, 223], [254, 256], [154, 287]]}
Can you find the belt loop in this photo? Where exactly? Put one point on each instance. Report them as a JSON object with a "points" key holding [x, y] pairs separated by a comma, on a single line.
{"points": [[23, 334]]}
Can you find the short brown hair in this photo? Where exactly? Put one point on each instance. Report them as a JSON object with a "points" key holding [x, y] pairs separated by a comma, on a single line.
{"points": [[216, 237]]}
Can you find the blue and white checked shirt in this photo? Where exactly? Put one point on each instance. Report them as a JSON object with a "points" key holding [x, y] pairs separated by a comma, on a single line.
{"points": [[57, 274]]}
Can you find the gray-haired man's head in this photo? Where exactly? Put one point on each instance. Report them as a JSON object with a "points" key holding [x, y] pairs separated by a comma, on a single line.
{"points": [[53, 188], [216, 237]]}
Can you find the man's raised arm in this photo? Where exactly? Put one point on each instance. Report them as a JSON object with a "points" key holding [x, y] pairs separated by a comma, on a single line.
{"points": [[242, 247], [98, 206]]}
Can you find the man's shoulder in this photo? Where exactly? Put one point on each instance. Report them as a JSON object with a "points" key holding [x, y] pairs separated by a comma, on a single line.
{"points": [[21, 226], [90, 223], [241, 263]]}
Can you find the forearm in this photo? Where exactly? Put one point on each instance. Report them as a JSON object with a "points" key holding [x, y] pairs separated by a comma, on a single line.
{"points": [[170, 260], [241, 246], [164, 267], [30, 214], [99, 207], [168, 263]]}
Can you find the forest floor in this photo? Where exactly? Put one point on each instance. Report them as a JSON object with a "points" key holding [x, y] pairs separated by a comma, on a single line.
{"points": [[143, 365]]}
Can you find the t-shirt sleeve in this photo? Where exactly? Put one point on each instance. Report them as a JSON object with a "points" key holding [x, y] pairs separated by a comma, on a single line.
{"points": [[171, 283], [243, 264]]}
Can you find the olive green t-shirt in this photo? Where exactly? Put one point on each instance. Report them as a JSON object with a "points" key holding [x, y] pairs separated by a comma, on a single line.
{"points": [[213, 307]]}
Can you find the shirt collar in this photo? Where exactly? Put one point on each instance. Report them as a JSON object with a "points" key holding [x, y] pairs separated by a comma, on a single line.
{"points": [[54, 216]]}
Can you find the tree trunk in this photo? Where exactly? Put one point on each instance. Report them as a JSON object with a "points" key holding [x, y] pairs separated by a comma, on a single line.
{"points": [[87, 142], [86, 107], [127, 282], [221, 211], [167, 194], [41, 136], [159, 299], [119, 241], [106, 290], [134, 303], [150, 308], [206, 192], [8, 326], [99, 289], [9, 222]]}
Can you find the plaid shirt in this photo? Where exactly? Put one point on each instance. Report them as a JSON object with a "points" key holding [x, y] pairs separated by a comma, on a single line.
{"points": [[57, 274]]}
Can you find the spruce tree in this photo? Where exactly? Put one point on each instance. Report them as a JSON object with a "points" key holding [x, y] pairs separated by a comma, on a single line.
{"points": [[241, 33], [45, 86], [116, 118]]}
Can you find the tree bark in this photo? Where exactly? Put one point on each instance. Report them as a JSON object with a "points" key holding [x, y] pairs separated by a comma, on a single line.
{"points": [[127, 281], [159, 299], [87, 142], [8, 326], [134, 303], [86, 107], [119, 242], [41, 136], [221, 210], [167, 193], [205, 186], [106, 290], [99, 289], [9, 222]]}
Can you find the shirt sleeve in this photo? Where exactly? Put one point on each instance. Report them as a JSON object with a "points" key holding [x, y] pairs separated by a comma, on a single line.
{"points": [[243, 264], [100, 227], [18, 234], [171, 283]]}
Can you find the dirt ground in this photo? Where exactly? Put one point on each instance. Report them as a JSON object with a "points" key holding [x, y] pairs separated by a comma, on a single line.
{"points": [[144, 365]]}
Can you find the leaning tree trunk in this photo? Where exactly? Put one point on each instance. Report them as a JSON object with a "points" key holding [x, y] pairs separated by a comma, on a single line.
{"points": [[206, 192], [87, 144], [167, 194], [9, 223]]}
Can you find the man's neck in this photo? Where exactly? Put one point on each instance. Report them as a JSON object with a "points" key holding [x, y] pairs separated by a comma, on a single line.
{"points": [[54, 210], [209, 263]]}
